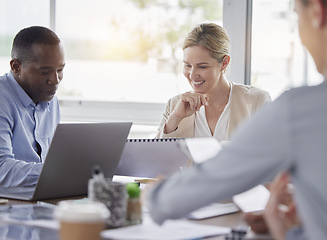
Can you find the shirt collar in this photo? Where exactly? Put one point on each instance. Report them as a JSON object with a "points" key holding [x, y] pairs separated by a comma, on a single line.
{"points": [[23, 96]]}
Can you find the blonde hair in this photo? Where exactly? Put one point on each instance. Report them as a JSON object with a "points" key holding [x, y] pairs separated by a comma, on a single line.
{"points": [[210, 36]]}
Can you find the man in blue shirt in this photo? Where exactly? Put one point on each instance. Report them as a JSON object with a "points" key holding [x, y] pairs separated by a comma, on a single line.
{"points": [[29, 110]]}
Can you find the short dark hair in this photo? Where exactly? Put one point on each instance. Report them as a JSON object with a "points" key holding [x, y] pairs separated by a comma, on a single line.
{"points": [[25, 38]]}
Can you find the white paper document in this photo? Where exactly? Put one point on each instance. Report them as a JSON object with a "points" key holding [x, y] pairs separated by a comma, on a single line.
{"points": [[202, 149], [171, 229], [252, 200], [213, 210]]}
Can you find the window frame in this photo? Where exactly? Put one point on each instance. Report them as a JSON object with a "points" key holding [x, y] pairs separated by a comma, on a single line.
{"points": [[237, 20]]}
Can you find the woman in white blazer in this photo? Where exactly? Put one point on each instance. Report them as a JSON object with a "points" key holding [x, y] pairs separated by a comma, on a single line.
{"points": [[215, 107]]}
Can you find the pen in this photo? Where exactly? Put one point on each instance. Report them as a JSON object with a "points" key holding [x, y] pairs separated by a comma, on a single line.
{"points": [[3, 200], [146, 180]]}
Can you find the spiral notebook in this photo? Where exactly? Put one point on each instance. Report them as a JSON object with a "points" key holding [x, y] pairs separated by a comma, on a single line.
{"points": [[152, 157]]}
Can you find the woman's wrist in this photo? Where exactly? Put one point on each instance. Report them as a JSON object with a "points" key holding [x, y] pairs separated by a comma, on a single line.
{"points": [[172, 124]]}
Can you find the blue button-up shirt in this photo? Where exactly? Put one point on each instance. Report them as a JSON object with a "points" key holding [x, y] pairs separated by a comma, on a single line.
{"points": [[23, 126]]}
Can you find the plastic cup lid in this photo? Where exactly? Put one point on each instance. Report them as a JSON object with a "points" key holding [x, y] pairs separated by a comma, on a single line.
{"points": [[81, 211]]}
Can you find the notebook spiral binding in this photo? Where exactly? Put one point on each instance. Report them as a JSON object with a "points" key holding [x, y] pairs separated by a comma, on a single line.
{"points": [[154, 139]]}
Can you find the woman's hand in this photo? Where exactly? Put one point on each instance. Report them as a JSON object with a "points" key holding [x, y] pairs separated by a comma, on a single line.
{"points": [[187, 105]]}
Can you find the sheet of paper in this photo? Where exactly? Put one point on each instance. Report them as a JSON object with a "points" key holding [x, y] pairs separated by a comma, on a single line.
{"points": [[213, 210], [171, 229], [252, 200], [196, 148]]}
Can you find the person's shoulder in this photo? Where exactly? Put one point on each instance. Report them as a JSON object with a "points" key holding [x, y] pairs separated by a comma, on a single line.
{"points": [[174, 100], [248, 90], [7, 99], [5, 90], [3, 81], [306, 93], [308, 89]]}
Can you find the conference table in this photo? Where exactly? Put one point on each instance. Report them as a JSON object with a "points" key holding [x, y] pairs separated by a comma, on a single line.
{"points": [[230, 220]]}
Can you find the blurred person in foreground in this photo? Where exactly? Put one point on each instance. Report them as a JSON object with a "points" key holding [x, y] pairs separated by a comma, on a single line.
{"points": [[29, 110], [215, 107], [280, 214], [287, 135]]}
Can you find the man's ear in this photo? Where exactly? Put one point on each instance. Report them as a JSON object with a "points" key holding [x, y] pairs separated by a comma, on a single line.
{"points": [[15, 66], [318, 13]]}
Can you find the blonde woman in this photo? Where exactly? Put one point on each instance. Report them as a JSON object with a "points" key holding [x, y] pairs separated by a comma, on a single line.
{"points": [[214, 107]]}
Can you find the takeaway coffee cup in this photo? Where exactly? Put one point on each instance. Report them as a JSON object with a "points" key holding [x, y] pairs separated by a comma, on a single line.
{"points": [[81, 220]]}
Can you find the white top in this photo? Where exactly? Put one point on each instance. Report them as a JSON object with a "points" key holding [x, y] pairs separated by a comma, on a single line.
{"points": [[289, 134], [201, 127]]}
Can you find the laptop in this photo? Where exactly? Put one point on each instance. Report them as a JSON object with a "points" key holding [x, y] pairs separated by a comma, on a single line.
{"points": [[74, 151]]}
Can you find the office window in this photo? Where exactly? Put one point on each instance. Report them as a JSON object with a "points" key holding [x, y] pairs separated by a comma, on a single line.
{"points": [[127, 50], [279, 61], [123, 58], [15, 15]]}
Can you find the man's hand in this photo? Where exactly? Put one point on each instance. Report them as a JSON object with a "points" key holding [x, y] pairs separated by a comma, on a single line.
{"points": [[257, 222], [263, 221], [279, 217]]}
